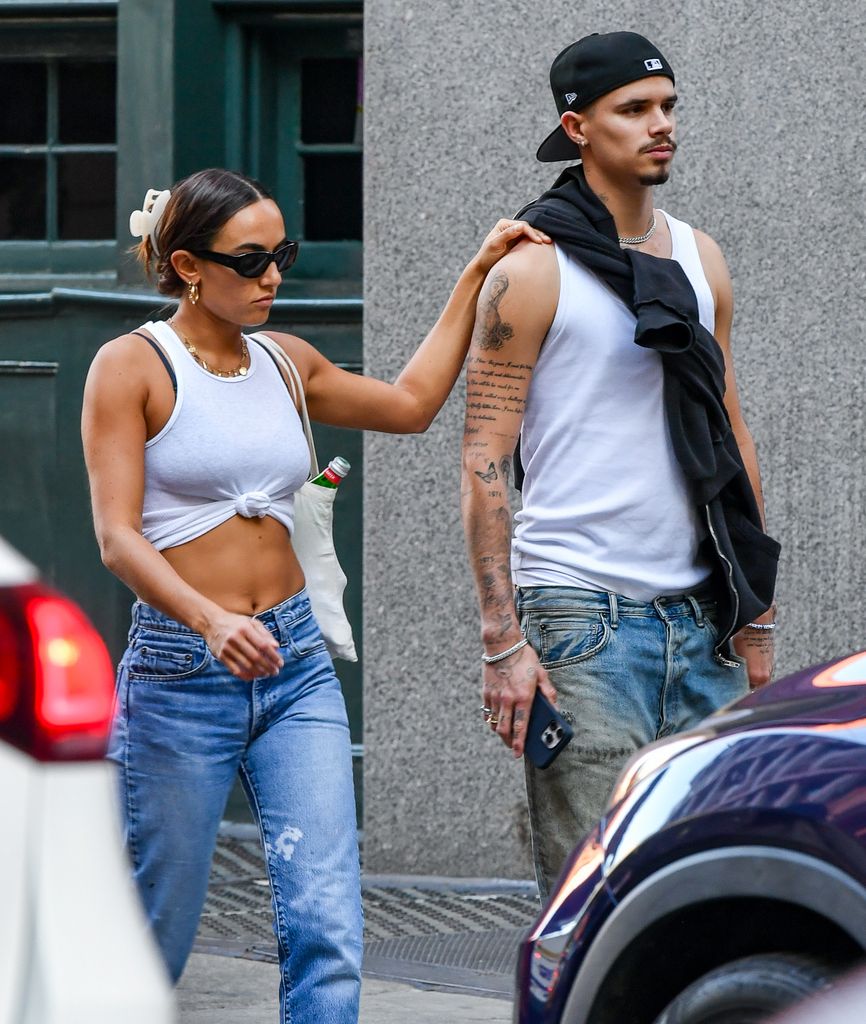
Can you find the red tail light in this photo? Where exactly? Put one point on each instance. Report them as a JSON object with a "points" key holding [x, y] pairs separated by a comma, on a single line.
{"points": [[8, 669], [56, 678]]}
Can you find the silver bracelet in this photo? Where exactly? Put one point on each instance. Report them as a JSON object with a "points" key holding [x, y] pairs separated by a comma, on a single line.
{"points": [[491, 659], [760, 625]]}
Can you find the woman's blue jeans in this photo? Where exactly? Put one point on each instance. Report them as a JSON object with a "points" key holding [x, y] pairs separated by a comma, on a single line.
{"points": [[184, 728]]}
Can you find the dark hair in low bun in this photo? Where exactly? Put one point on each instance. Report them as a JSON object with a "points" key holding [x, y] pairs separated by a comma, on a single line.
{"points": [[198, 207]]}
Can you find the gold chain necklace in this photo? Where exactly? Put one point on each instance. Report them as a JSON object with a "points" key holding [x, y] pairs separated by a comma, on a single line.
{"points": [[241, 370]]}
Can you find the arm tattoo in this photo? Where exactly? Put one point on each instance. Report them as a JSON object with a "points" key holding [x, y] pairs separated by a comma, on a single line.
{"points": [[495, 399], [494, 331], [496, 593], [763, 644], [494, 386]]}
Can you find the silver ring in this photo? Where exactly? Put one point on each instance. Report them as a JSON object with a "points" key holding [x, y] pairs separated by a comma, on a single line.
{"points": [[485, 710]]}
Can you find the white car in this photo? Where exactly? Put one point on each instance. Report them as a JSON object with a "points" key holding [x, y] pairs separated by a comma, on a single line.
{"points": [[74, 944]]}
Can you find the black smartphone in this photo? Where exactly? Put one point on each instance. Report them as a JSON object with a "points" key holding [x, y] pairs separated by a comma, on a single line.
{"points": [[547, 734]]}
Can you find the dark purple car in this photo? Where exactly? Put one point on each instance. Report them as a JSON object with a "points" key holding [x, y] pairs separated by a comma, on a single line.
{"points": [[727, 878]]}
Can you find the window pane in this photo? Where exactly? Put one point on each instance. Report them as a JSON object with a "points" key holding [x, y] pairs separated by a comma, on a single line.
{"points": [[332, 197], [85, 195], [22, 198], [330, 100], [23, 107], [87, 102]]}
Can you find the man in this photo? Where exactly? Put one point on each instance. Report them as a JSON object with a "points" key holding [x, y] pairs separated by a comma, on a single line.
{"points": [[639, 571]]}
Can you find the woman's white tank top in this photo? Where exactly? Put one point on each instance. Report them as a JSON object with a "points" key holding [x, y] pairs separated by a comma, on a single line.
{"points": [[232, 446], [605, 503]]}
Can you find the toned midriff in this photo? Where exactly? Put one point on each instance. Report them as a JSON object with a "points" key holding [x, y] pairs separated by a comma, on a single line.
{"points": [[244, 565]]}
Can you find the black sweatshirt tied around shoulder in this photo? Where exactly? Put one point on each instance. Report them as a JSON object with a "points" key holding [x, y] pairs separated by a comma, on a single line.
{"points": [[661, 296]]}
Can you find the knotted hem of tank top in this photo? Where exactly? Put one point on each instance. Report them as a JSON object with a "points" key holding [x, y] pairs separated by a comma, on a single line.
{"points": [[252, 504], [217, 512]]}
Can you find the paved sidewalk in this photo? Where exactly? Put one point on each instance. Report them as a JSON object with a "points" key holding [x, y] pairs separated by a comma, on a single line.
{"points": [[227, 990], [436, 950]]}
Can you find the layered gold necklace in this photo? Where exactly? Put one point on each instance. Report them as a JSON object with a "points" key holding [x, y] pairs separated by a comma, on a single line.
{"points": [[239, 371]]}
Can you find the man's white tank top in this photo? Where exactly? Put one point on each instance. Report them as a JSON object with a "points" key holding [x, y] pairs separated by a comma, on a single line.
{"points": [[605, 503]]}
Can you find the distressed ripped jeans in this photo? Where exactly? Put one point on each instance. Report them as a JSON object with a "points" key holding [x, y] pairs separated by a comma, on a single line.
{"points": [[184, 728], [626, 673]]}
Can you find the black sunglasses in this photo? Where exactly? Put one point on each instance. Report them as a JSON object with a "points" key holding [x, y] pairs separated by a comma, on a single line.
{"points": [[253, 264]]}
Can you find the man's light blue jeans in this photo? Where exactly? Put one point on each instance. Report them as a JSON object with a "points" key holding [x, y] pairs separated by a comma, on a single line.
{"points": [[184, 728], [627, 673]]}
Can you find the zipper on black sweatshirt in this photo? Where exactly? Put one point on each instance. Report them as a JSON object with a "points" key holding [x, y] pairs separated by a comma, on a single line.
{"points": [[735, 597]]}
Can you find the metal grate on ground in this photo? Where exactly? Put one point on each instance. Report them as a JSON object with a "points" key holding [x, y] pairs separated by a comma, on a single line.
{"points": [[459, 936]]}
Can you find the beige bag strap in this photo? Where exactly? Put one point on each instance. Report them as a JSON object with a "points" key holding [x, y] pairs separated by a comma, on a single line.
{"points": [[296, 390]]}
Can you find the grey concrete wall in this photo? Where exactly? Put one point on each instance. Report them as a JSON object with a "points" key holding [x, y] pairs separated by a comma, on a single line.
{"points": [[773, 149]]}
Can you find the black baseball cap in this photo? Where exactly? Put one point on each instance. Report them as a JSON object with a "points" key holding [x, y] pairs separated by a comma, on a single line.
{"points": [[591, 67]]}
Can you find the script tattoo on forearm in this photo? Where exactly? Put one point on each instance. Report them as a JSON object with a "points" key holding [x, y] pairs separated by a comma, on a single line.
{"points": [[763, 644], [493, 331]]}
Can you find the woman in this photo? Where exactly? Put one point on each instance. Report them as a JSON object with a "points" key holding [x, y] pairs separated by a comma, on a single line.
{"points": [[185, 423]]}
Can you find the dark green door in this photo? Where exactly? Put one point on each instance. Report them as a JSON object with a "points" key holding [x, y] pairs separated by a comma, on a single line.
{"points": [[270, 89]]}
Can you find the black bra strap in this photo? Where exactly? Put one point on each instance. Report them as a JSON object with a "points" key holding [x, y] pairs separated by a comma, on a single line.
{"points": [[162, 356]]}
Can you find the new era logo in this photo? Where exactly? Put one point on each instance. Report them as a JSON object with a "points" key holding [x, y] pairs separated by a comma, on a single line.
{"points": [[570, 97], [654, 64]]}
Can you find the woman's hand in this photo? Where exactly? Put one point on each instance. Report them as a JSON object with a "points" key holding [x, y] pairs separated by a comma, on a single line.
{"points": [[504, 236], [244, 646], [346, 399]]}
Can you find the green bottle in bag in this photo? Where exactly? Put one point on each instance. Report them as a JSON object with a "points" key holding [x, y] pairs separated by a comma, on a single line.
{"points": [[331, 476]]}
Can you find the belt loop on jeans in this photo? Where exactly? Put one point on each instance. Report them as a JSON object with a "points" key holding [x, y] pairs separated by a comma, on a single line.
{"points": [[279, 629], [696, 608], [275, 616], [614, 610], [283, 624]]}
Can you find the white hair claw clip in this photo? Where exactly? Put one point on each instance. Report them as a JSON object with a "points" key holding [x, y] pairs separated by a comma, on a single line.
{"points": [[144, 222]]}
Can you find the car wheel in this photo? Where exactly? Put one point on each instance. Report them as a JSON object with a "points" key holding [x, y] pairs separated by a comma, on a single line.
{"points": [[747, 991]]}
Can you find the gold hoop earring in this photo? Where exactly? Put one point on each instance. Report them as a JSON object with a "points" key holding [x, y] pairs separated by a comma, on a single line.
{"points": [[192, 291]]}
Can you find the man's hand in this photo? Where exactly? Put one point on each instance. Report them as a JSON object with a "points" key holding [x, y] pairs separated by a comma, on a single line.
{"points": [[508, 689], [758, 647]]}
